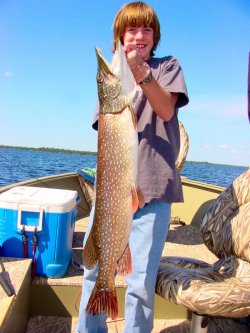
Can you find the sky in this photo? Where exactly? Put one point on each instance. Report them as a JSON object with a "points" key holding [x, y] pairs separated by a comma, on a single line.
{"points": [[48, 70]]}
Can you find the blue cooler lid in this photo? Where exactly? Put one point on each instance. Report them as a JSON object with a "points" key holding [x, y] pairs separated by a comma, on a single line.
{"points": [[52, 200]]}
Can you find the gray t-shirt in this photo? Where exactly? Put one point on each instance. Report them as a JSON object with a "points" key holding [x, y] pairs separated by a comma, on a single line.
{"points": [[159, 141]]}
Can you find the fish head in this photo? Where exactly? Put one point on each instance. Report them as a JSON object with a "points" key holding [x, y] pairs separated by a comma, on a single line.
{"points": [[109, 87]]}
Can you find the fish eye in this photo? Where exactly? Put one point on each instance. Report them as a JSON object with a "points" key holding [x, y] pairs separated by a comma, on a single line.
{"points": [[99, 78]]}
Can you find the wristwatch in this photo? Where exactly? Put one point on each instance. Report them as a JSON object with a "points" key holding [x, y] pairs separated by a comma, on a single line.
{"points": [[148, 79]]}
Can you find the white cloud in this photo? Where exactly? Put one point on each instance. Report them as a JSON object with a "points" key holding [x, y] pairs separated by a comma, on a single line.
{"points": [[223, 146], [8, 74]]}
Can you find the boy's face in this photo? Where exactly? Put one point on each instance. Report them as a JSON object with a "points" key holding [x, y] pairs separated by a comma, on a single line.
{"points": [[140, 39]]}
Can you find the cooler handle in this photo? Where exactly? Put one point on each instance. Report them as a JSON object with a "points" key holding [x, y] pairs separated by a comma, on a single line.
{"points": [[30, 208]]}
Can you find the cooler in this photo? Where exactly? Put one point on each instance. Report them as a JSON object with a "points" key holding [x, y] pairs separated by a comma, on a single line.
{"points": [[38, 223]]}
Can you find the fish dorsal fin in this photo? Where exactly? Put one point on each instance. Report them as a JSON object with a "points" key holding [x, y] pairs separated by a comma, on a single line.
{"points": [[89, 253], [124, 264]]}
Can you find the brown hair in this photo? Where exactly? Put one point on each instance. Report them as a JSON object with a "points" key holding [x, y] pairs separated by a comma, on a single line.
{"points": [[136, 14]]}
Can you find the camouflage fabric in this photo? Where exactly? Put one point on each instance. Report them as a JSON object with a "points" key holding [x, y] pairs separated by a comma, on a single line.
{"points": [[221, 289], [226, 225]]}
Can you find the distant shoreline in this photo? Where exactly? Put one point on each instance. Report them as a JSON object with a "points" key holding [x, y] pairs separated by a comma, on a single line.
{"points": [[50, 150], [80, 152]]}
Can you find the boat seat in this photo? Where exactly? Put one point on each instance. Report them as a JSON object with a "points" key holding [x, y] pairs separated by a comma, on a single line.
{"points": [[86, 180], [221, 289]]}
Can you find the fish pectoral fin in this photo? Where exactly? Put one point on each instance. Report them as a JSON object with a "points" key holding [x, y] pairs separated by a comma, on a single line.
{"points": [[141, 198], [89, 254], [134, 118], [124, 264], [137, 199]]}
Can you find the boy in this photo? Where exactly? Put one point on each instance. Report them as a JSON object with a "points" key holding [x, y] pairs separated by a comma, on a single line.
{"points": [[163, 92]]}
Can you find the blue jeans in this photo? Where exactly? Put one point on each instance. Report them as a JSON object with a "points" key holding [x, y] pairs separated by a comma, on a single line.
{"points": [[148, 235]]}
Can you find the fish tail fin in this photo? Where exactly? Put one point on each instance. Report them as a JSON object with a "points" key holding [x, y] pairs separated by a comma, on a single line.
{"points": [[124, 264], [103, 300], [89, 254]]}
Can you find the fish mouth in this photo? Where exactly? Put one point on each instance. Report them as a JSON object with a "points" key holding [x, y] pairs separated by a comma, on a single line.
{"points": [[103, 66]]}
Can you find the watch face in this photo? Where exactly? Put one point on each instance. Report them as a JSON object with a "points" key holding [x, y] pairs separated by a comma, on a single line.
{"points": [[147, 79]]}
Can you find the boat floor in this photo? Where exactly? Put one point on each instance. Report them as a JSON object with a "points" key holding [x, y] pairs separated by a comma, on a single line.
{"points": [[40, 324], [182, 240]]}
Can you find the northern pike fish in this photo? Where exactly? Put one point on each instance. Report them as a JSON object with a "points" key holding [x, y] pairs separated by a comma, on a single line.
{"points": [[116, 196]]}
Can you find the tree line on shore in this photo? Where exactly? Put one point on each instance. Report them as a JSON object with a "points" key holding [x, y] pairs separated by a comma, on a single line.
{"points": [[52, 150]]}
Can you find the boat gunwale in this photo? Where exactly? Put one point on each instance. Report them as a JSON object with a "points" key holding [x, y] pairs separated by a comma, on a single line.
{"points": [[42, 181], [39, 180]]}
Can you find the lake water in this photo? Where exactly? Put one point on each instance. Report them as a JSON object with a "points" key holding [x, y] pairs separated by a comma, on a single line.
{"points": [[17, 165]]}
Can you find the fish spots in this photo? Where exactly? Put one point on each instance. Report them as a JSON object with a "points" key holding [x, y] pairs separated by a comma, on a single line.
{"points": [[116, 164]]}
